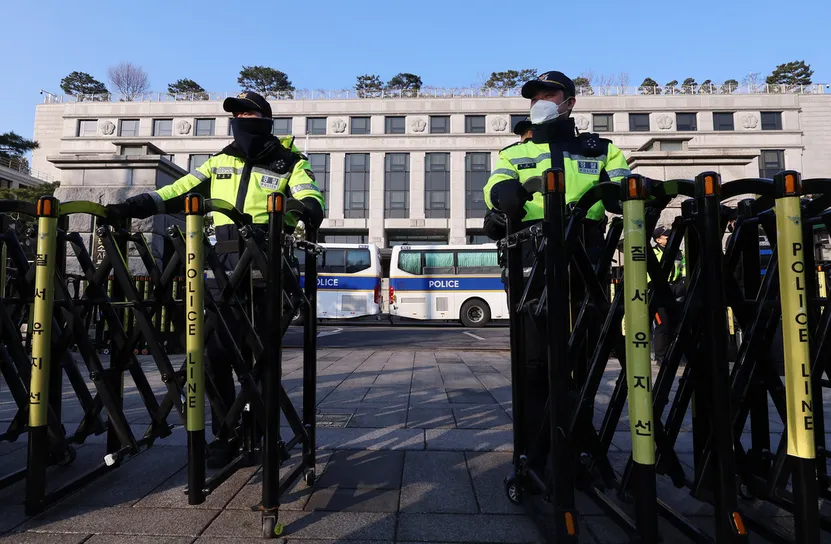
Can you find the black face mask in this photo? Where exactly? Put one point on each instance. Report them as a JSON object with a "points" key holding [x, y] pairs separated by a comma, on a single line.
{"points": [[251, 134]]}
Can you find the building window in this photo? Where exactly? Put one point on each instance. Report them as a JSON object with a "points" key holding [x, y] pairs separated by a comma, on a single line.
{"points": [[87, 127], [204, 127], [195, 161], [439, 124], [416, 237], [343, 237], [394, 125], [515, 119], [686, 121], [475, 124], [315, 125], [397, 185], [129, 127], [162, 127], [359, 125], [282, 126], [771, 120], [722, 121], [474, 238], [437, 185], [771, 162], [638, 122], [603, 122], [356, 186], [320, 166], [477, 172]]}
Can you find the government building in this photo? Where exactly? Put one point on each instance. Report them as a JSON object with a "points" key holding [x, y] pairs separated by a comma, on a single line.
{"points": [[410, 169]]}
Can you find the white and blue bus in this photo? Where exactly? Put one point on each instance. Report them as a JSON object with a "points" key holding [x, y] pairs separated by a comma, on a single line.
{"points": [[348, 281], [454, 282]]}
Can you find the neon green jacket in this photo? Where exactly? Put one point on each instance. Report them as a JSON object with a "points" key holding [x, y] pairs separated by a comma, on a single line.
{"points": [[228, 177], [587, 160]]}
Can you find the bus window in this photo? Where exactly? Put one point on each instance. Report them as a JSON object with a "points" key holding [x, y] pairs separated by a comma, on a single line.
{"points": [[438, 262], [357, 260], [334, 260], [410, 262], [477, 262]]}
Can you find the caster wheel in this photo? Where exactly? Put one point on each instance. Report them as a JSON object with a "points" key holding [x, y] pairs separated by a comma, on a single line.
{"points": [[512, 489], [271, 527], [309, 477], [745, 493]]}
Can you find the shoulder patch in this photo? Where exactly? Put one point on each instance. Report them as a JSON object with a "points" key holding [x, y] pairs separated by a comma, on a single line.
{"points": [[592, 145]]}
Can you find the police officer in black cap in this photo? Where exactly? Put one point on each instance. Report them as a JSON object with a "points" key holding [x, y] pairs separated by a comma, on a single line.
{"points": [[523, 130], [255, 165]]}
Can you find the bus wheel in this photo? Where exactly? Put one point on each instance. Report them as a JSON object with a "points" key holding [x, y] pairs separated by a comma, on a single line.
{"points": [[475, 313], [297, 319]]}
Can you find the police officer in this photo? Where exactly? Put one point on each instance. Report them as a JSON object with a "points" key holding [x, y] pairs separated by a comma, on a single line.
{"points": [[523, 130], [244, 173], [661, 334], [587, 159]]}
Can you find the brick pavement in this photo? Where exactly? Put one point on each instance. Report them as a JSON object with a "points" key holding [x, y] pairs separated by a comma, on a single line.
{"points": [[421, 458]]}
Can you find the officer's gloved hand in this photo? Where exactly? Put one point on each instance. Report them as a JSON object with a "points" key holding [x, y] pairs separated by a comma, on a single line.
{"points": [[510, 196], [313, 216], [137, 207], [495, 226]]}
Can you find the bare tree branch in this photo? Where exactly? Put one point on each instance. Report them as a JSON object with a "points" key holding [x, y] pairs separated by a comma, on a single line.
{"points": [[129, 79]]}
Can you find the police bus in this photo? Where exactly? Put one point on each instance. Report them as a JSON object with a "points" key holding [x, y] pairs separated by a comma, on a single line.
{"points": [[454, 282], [348, 281]]}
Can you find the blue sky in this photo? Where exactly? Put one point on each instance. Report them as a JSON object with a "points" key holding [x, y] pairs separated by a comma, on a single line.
{"points": [[326, 44]]}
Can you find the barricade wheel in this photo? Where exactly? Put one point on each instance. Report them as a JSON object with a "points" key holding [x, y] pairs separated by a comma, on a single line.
{"points": [[66, 457], [513, 489], [309, 477], [745, 493], [271, 527]]}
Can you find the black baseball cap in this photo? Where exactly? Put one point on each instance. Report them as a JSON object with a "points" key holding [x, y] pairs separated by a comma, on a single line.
{"points": [[549, 80], [660, 231], [247, 101], [522, 127]]}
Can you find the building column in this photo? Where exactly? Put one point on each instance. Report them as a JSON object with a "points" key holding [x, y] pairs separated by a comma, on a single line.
{"points": [[337, 177], [376, 199], [417, 185], [457, 197]]}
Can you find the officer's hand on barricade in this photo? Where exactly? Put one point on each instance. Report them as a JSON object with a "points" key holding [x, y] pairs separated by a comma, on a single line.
{"points": [[495, 225], [510, 196], [138, 207], [313, 214]]}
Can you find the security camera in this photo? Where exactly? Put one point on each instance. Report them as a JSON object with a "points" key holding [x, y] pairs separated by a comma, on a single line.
{"points": [[41, 91]]}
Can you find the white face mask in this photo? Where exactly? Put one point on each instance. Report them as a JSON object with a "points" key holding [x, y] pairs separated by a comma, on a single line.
{"points": [[544, 111]]}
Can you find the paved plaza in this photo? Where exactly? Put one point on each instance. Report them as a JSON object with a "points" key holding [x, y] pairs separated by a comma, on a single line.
{"points": [[413, 447]]}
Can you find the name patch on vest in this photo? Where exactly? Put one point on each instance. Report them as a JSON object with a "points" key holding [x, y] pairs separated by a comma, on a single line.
{"points": [[224, 172], [588, 167], [270, 183], [526, 165]]}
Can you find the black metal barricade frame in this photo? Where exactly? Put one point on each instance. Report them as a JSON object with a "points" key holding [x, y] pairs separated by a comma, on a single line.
{"points": [[700, 336], [260, 377]]}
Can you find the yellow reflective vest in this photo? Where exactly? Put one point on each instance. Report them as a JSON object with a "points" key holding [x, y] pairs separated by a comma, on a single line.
{"points": [[679, 269], [246, 187], [587, 160]]}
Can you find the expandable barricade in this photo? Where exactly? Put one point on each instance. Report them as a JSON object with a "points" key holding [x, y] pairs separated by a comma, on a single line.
{"points": [[720, 284], [141, 313]]}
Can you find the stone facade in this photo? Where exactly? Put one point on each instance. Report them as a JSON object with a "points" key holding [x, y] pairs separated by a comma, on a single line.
{"points": [[795, 128]]}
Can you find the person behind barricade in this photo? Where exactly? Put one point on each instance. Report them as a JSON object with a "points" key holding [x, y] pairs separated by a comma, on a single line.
{"points": [[662, 334], [586, 159], [523, 130], [244, 173]]}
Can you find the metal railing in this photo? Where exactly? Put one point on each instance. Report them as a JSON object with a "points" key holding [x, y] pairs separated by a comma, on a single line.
{"points": [[460, 92], [22, 167]]}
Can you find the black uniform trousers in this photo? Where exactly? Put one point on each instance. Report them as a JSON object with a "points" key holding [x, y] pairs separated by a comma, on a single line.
{"points": [[536, 363]]}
